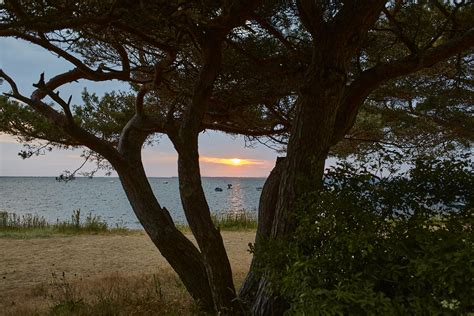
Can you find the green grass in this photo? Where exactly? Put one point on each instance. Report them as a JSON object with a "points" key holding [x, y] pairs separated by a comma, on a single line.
{"points": [[240, 220], [33, 226], [230, 221]]}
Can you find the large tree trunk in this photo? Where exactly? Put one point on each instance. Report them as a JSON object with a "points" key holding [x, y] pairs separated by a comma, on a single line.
{"points": [[208, 237], [302, 171], [266, 213]]}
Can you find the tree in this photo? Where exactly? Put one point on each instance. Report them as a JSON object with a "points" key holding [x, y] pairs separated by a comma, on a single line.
{"points": [[296, 71]]}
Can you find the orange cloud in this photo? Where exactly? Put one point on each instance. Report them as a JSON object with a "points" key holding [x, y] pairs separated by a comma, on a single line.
{"points": [[231, 161]]}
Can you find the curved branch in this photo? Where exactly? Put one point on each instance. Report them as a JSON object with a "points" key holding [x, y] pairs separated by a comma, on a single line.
{"points": [[76, 132], [370, 79]]}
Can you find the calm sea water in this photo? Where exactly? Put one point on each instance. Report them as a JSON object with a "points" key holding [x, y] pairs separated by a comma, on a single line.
{"points": [[104, 197]]}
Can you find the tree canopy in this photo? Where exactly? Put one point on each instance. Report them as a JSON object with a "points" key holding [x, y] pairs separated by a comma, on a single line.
{"points": [[312, 77], [264, 59]]}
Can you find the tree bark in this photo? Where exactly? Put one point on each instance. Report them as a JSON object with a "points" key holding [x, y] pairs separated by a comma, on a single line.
{"points": [[208, 237], [178, 250], [266, 214], [302, 170]]}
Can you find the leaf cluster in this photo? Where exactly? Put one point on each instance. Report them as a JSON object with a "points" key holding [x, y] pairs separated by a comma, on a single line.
{"points": [[368, 245]]}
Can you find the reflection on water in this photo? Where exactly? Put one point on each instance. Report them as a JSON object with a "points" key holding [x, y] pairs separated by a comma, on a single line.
{"points": [[236, 198], [105, 197]]}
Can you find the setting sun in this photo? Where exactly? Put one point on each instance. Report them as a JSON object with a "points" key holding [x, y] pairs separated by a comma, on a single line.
{"points": [[231, 161], [236, 161]]}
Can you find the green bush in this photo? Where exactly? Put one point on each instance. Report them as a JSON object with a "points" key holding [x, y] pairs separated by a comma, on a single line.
{"points": [[391, 246]]}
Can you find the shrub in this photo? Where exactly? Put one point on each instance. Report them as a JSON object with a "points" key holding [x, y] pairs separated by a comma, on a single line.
{"points": [[368, 245]]}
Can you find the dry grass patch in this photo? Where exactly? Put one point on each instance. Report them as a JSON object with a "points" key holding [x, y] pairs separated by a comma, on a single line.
{"points": [[99, 275], [116, 294]]}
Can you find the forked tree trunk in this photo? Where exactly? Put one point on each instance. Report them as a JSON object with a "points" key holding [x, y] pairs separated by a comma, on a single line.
{"points": [[178, 250], [208, 237]]}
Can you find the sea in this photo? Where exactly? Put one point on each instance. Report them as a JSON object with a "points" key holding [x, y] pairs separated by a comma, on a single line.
{"points": [[104, 197]]}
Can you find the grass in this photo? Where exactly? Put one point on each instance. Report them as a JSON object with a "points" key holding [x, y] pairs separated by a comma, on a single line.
{"points": [[162, 294], [238, 220], [32, 226], [230, 221]]}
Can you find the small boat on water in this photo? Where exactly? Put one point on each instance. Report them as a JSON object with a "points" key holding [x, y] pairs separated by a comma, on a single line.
{"points": [[229, 186], [65, 178], [166, 182], [218, 189]]}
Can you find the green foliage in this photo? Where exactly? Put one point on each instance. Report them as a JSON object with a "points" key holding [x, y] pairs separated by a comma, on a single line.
{"points": [[22, 121], [105, 116], [400, 245]]}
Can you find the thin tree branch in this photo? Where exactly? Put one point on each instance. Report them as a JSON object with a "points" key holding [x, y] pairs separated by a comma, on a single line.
{"points": [[400, 34], [372, 78], [76, 132], [273, 31]]}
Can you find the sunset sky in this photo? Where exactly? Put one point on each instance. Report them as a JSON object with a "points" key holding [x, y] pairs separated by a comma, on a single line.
{"points": [[25, 62]]}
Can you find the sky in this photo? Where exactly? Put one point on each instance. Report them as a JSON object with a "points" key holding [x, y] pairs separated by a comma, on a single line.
{"points": [[221, 155]]}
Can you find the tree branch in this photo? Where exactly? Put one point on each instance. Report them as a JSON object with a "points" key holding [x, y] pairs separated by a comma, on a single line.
{"points": [[372, 78], [74, 131], [399, 33], [55, 96], [273, 31]]}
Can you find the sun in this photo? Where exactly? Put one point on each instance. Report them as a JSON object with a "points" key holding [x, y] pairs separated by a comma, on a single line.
{"points": [[236, 161]]}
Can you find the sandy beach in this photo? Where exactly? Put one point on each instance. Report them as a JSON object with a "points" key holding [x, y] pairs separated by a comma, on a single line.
{"points": [[29, 266]]}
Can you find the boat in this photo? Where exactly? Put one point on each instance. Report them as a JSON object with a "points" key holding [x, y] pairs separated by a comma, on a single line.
{"points": [[229, 186], [218, 189]]}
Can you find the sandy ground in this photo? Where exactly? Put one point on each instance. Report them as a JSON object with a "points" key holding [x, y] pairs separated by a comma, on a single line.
{"points": [[28, 263]]}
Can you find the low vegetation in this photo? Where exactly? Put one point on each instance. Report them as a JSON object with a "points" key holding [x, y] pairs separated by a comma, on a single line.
{"points": [[30, 226], [238, 220], [400, 245], [65, 294]]}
